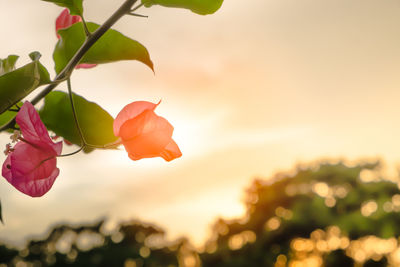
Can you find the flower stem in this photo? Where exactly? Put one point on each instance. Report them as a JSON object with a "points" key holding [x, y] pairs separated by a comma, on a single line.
{"points": [[63, 155], [87, 32], [83, 141], [71, 100], [106, 146], [72, 153]]}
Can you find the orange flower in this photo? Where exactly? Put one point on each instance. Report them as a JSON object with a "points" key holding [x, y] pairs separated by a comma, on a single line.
{"points": [[145, 134]]}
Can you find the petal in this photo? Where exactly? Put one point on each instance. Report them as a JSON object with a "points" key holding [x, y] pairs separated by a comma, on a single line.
{"points": [[37, 188], [171, 151], [64, 20], [40, 187], [33, 170], [146, 136], [130, 111], [6, 170], [33, 129], [57, 147], [85, 66], [28, 161], [147, 124]]}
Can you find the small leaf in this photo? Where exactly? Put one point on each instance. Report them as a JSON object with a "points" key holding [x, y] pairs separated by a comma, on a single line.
{"points": [[202, 7], [112, 46], [8, 64], [75, 6], [8, 115], [18, 83], [35, 55], [95, 122]]}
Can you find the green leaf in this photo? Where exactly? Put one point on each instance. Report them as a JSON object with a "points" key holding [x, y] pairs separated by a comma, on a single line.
{"points": [[95, 122], [8, 115], [112, 46], [8, 64], [17, 84], [202, 7], [75, 6]]}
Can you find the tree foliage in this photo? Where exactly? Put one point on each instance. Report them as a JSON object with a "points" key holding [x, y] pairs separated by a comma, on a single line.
{"points": [[324, 215]]}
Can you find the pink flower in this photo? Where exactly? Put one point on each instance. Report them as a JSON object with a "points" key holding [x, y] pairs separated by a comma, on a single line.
{"points": [[65, 20], [144, 134], [31, 166]]}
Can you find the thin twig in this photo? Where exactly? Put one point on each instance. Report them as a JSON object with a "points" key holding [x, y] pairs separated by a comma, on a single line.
{"points": [[136, 8], [137, 15], [72, 153], [81, 135], [87, 32], [71, 100]]}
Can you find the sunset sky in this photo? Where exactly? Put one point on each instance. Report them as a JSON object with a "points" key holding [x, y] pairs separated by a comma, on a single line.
{"points": [[251, 90]]}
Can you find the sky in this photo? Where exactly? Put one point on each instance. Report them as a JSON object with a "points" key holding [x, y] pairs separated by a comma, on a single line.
{"points": [[251, 90]]}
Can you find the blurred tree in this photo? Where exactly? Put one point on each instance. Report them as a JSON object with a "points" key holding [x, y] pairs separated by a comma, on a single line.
{"points": [[323, 215], [129, 244]]}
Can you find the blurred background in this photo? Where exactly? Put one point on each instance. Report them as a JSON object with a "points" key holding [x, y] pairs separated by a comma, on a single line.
{"points": [[258, 88]]}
